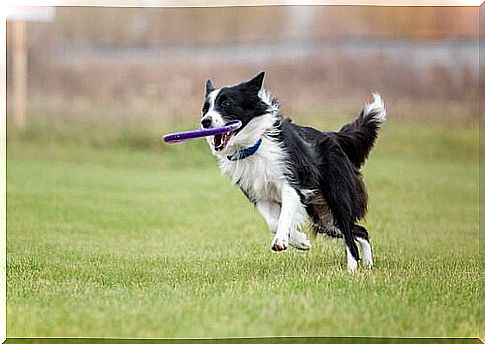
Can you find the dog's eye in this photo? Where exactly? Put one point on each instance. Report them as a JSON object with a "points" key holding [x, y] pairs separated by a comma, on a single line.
{"points": [[226, 103]]}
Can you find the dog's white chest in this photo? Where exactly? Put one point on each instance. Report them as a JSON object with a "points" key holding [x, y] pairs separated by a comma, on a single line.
{"points": [[261, 175]]}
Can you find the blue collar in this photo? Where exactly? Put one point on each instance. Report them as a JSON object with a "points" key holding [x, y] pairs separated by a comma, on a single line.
{"points": [[245, 152]]}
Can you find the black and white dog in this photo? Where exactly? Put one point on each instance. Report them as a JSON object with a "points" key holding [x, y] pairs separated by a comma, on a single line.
{"points": [[290, 171]]}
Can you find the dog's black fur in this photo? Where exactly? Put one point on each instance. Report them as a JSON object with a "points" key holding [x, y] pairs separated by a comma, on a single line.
{"points": [[328, 163]]}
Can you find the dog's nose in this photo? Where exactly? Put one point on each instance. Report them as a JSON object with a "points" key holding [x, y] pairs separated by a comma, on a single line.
{"points": [[206, 122]]}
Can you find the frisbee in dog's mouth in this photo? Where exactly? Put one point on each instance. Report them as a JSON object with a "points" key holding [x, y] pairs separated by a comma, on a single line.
{"points": [[220, 141]]}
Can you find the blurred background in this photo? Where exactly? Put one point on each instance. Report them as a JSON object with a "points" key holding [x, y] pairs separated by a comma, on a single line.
{"points": [[143, 70], [112, 233]]}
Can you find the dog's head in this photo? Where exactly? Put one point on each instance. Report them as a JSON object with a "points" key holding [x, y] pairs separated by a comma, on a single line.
{"points": [[246, 102]]}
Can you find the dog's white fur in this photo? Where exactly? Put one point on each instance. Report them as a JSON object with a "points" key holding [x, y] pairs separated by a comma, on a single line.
{"points": [[262, 176], [366, 250], [377, 106], [217, 120]]}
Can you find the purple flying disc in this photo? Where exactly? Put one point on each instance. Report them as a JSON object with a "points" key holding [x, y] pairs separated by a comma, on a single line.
{"points": [[194, 134]]}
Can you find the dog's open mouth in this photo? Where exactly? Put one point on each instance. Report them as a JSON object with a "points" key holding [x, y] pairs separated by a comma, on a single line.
{"points": [[220, 141]]}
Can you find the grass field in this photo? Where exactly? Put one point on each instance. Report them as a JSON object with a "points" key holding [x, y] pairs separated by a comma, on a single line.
{"points": [[130, 239]]}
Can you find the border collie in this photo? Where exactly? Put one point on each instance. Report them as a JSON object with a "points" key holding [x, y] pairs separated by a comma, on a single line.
{"points": [[290, 171]]}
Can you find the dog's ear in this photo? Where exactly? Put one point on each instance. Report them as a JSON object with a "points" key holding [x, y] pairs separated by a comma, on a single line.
{"points": [[209, 87], [256, 83]]}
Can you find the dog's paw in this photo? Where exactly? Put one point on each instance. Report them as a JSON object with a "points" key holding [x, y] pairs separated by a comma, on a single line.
{"points": [[279, 244], [352, 266], [351, 261], [366, 250], [367, 262], [299, 241]]}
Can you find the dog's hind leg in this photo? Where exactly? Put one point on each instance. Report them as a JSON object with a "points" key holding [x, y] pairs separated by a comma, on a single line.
{"points": [[362, 237], [337, 184]]}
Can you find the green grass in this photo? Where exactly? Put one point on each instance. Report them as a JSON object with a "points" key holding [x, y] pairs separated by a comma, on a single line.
{"points": [[121, 238]]}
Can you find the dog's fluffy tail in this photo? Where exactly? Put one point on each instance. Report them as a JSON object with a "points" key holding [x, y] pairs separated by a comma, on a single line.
{"points": [[357, 138]]}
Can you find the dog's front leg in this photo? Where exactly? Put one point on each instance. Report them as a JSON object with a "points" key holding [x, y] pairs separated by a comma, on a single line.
{"points": [[292, 216], [270, 211]]}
